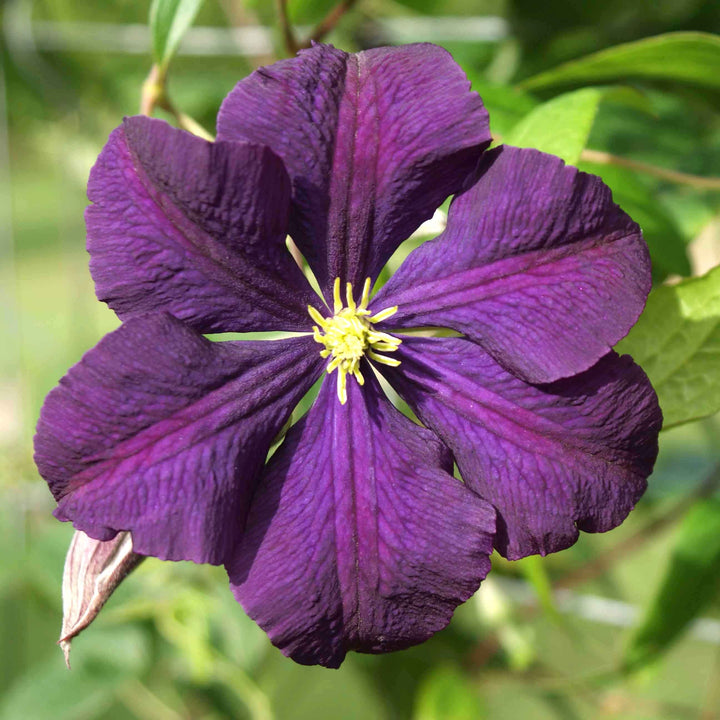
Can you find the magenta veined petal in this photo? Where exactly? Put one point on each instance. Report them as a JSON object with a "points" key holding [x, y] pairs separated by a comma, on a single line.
{"points": [[354, 534], [193, 228], [552, 459], [164, 433], [537, 265], [358, 537], [373, 143]]}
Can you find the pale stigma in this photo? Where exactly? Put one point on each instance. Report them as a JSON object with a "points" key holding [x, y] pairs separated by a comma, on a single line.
{"points": [[349, 335]]}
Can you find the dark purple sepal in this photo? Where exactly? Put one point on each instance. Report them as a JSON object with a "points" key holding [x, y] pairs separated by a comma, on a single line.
{"points": [[537, 264], [552, 459], [373, 142], [193, 228], [358, 537], [163, 433]]}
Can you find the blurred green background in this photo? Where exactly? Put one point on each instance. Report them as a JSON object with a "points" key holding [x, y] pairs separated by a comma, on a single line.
{"points": [[172, 643]]}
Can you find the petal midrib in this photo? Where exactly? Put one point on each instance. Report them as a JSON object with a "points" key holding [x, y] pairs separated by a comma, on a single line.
{"points": [[184, 418], [212, 253], [513, 414], [448, 286]]}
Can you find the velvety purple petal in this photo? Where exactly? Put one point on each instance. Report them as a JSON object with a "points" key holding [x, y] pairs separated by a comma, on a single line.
{"points": [[161, 432], [358, 537], [552, 459], [373, 142], [194, 228], [537, 264]]}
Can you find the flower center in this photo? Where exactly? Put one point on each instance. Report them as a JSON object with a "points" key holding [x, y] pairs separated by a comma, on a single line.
{"points": [[349, 335]]}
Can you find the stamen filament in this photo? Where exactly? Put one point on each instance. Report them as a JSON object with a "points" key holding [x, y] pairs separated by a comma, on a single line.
{"points": [[337, 300], [365, 299], [342, 387], [384, 314], [317, 317], [349, 297], [382, 359]]}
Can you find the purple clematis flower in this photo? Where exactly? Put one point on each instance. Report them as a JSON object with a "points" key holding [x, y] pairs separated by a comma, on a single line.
{"points": [[355, 534]]}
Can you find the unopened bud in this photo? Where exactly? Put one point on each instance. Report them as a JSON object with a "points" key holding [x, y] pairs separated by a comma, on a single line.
{"points": [[93, 569]]}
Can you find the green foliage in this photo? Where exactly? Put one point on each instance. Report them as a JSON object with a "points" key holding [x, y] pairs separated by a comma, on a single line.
{"points": [[560, 126], [688, 587], [507, 105], [445, 694], [309, 11], [691, 57], [169, 21], [109, 662], [535, 571], [677, 342], [173, 642]]}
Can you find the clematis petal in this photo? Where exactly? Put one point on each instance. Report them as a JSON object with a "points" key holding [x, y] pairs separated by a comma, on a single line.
{"points": [[373, 142], [193, 228], [161, 432], [358, 537], [552, 459], [537, 264]]}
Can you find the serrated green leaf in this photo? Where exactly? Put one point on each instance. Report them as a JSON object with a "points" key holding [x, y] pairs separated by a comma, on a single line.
{"points": [[169, 21], [446, 695], [692, 57], [688, 586], [560, 126], [677, 343]]}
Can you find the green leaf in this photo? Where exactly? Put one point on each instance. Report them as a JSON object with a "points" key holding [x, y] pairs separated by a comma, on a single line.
{"points": [[309, 11], [677, 343], [446, 695], [169, 21], [560, 126], [507, 105], [692, 57], [103, 664], [688, 586]]}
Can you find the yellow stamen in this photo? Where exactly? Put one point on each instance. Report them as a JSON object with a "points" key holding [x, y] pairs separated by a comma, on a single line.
{"points": [[383, 314], [348, 295], [337, 300], [382, 359], [349, 336], [365, 299]]}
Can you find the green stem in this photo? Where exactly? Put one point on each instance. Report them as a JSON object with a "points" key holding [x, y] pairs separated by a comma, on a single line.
{"points": [[155, 95]]}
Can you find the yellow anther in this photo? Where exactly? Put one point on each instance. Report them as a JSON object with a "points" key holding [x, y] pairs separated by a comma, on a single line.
{"points": [[349, 296], [317, 317], [382, 359], [337, 300], [365, 299], [383, 314], [349, 336]]}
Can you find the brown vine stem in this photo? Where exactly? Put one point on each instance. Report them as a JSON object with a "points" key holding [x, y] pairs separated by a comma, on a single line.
{"points": [[697, 181], [291, 43], [329, 22], [603, 562]]}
